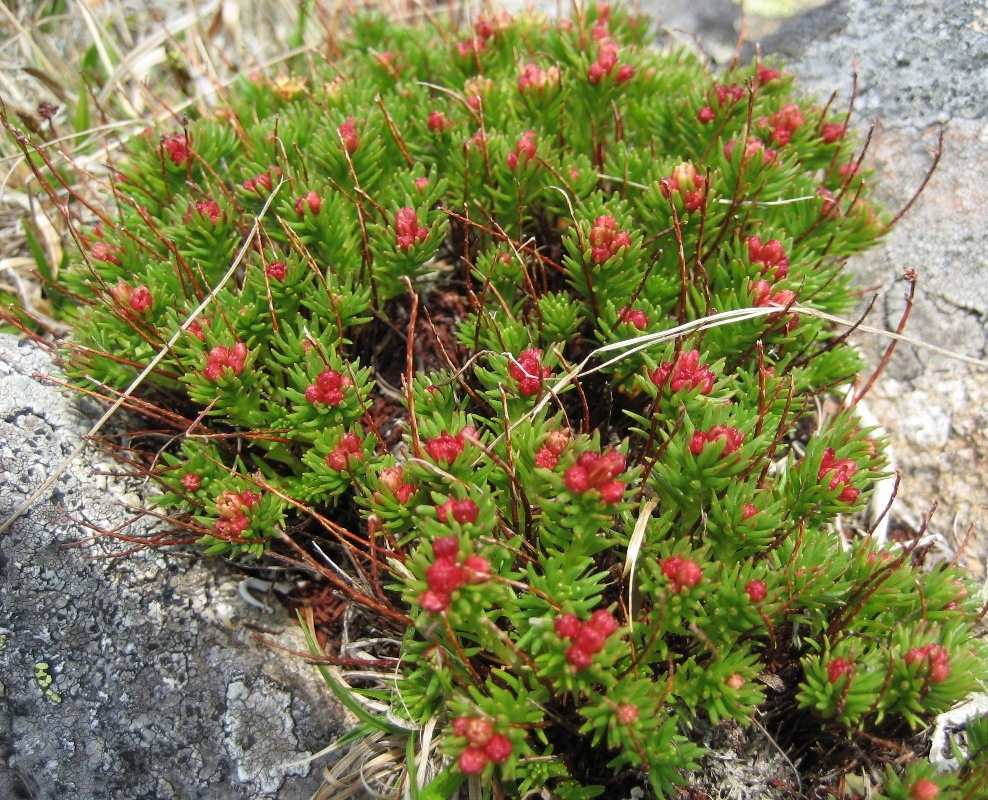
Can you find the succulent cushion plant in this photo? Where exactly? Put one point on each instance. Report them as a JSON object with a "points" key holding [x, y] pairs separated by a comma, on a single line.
{"points": [[523, 319]]}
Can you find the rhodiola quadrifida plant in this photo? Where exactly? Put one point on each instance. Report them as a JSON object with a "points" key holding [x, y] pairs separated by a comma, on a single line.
{"points": [[580, 272]]}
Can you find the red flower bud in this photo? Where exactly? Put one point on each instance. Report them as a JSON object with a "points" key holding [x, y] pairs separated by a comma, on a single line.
{"points": [[626, 714], [312, 201], [338, 460], [580, 659], [832, 132], [348, 133], [498, 749], [445, 576], [576, 479], [603, 621], [767, 74], [612, 492], [748, 510], [624, 74], [637, 318], [924, 789], [838, 667], [276, 270], [176, 147], [546, 459], [756, 590], [479, 731], [191, 482], [434, 601], [734, 681], [473, 760], [705, 115], [477, 569], [556, 441], [567, 626]]}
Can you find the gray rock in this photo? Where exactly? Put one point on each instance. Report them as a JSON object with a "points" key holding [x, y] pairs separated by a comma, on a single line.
{"points": [[920, 64], [153, 687]]}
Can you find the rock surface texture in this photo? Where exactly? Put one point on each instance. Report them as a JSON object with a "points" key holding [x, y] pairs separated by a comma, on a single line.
{"points": [[153, 686], [920, 65]]}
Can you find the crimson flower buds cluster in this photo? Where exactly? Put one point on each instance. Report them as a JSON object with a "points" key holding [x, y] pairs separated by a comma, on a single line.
{"points": [[732, 436], [483, 744], [607, 59], [463, 511], [686, 373], [764, 297], [101, 251], [784, 123], [195, 328], [832, 132], [437, 122], [548, 455], [756, 590], [232, 507], [933, 654], [137, 297], [602, 31], [475, 44], [765, 74], [204, 208], [176, 147], [312, 201], [328, 388], [681, 572], [445, 447], [637, 318], [723, 93], [445, 575], [191, 482], [276, 270], [264, 182], [770, 255], [753, 146], [524, 150], [348, 133], [842, 470], [527, 369], [393, 479], [606, 240], [587, 638], [689, 183], [408, 232], [536, 79], [349, 447], [221, 358], [597, 471], [838, 667]]}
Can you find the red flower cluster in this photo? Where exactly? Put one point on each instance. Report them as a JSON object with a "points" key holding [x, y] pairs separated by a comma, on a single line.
{"points": [[722, 92], [536, 79], [137, 297], [732, 436], [637, 318], [408, 232], [765, 74], [764, 297], [597, 471], [527, 369], [204, 208], [830, 205], [681, 572], [483, 744], [312, 201], [232, 507], [753, 146], [548, 455], [276, 271], [686, 373], [843, 470], [348, 133], [475, 44], [264, 182], [445, 575], [221, 358], [393, 479], [587, 637], [196, 330], [688, 182], [756, 591], [350, 446], [176, 146], [445, 447], [438, 122], [191, 482], [602, 31], [524, 150], [606, 240], [101, 251], [832, 132], [784, 123], [935, 655], [463, 511], [838, 667], [770, 255], [607, 59], [328, 388]]}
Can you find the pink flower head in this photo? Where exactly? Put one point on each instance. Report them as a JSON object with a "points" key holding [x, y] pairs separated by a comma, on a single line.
{"points": [[348, 133], [838, 667], [408, 232], [597, 471], [687, 373], [312, 201], [733, 439], [785, 122], [756, 591], [770, 255], [527, 369], [840, 471], [606, 240], [637, 318], [191, 482], [607, 59], [176, 147], [223, 358], [935, 656], [433, 601], [524, 150]]}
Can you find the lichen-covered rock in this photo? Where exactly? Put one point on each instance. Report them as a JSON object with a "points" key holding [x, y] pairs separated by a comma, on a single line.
{"points": [[129, 677]]}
